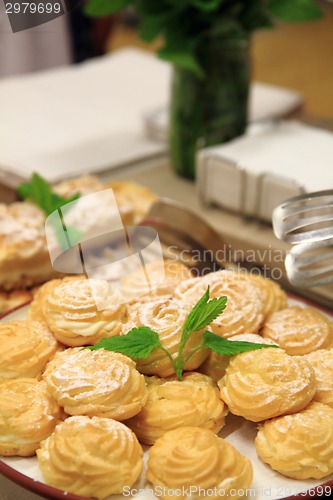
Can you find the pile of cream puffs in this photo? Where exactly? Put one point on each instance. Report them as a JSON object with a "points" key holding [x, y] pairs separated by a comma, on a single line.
{"points": [[87, 413]]}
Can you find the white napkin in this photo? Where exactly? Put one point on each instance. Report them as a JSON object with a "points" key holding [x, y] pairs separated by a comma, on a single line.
{"points": [[257, 171], [89, 117], [78, 119]]}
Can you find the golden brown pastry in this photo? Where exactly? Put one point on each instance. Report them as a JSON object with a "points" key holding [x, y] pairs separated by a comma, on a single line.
{"points": [[273, 297], [28, 414], [24, 258], [91, 457], [299, 331], [172, 403], [195, 457], [167, 318], [267, 383], [299, 446], [244, 311], [96, 383], [133, 198], [72, 314], [26, 347], [36, 308], [86, 184], [156, 281], [322, 363], [17, 298], [215, 365]]}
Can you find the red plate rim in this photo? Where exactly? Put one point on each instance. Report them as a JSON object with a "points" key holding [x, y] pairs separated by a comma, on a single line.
{"points": [[51, 493]]}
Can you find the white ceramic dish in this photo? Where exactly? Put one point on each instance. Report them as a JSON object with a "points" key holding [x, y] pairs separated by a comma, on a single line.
{"points": [[267, 484]]}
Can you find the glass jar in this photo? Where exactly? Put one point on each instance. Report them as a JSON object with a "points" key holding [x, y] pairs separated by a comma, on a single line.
{"points": [[212, 109]]}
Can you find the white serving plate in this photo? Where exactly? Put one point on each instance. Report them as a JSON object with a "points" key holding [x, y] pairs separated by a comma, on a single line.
{"points": [[267, 484]]}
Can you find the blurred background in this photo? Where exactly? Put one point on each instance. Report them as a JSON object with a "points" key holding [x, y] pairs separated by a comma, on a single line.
{"points": [[297, 56]]}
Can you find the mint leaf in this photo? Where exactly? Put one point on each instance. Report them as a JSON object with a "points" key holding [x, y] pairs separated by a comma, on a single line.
{"points": [[137, 343], [152, 26], [203, 313], [97, 8], [67, 236], [295, 10], [206, 5], [40, 192], [182, 59], [227, 347]]}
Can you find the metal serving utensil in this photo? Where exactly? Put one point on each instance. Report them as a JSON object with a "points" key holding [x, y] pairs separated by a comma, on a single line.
{"points": [[307, 222], [305, 218], [187, 234]]}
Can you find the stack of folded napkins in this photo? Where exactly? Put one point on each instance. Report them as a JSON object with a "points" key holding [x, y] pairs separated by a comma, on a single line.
{"points": [[270, 163]]}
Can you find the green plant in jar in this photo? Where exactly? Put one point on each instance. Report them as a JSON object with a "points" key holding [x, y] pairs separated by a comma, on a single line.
{"points": [[207, 42]]}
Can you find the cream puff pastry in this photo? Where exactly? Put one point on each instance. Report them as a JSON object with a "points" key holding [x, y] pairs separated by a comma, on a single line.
{"points": [[133, 197], [172, 403], [156, 281], [192, 460], [322, 363], [91, 457], [86, 184], [215, 365], [167, 318], [299, 446], [96, 383], [72, 313], [299, 331], [267, 383], [273, 297], [11, 300], [24, 258], [36, 307], [28, 414], [244, 311], [26, 347]]}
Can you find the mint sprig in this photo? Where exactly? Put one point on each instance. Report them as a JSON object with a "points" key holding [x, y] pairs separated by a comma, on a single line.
{"points": [[140, 342], [137, 343], [226, 347], [202, 314], [40, 192]]}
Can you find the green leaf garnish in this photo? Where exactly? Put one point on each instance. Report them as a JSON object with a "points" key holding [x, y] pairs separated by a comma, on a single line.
{"points": [[203, 313], [227, 347], [140, 342], [40, 192], [137, 343]]}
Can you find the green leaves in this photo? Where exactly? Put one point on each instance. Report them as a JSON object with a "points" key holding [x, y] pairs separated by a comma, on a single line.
{"points": [[294, 10], [185, 24], [98, 8], [207, 5], [40, 192], [138, 343], [203, 313], [182, 58], [227, 347]]}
